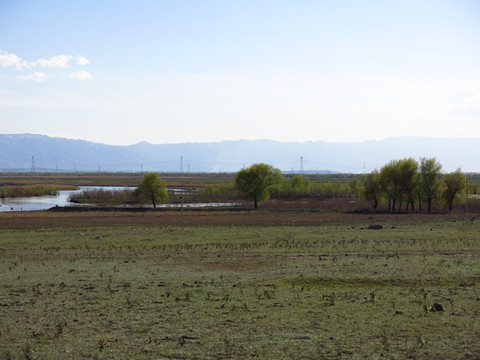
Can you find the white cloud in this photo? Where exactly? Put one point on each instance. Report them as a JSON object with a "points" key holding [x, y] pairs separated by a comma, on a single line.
{"points": [[36, 76], [466, 102], [82, 60], [7, 60], [81, 75], [460, 97], [60, 61]]}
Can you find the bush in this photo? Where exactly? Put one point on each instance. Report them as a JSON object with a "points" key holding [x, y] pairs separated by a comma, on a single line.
{"points": [[108, 197]]}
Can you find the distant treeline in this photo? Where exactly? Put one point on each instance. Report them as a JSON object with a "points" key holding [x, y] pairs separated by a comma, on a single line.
{"points": [[407, 184], [404, 185], [401, 185]]}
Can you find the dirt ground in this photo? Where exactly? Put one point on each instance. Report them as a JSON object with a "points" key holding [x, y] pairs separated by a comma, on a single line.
{"points": [[103, 217]]}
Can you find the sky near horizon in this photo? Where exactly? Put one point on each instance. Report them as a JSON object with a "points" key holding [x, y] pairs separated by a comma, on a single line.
{"points": [[121, 72]]}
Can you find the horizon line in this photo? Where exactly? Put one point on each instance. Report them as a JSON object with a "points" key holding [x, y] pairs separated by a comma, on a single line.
{"points": [[247, 140]]}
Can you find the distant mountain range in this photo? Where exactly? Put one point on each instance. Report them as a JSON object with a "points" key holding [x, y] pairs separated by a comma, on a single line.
{"points": [[39, 153]]}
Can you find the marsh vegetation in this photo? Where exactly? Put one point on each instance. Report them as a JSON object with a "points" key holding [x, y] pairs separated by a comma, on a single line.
{"points": [[331, 192]]}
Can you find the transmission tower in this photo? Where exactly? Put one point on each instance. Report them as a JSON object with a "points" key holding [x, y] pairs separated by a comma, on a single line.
{"points": [[301, 165], [32, 169], [181, 165]]}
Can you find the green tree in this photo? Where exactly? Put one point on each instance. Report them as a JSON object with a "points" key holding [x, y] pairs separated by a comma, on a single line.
{"points": [[299, 185], [429, 180], [389, 180], [397, 180], [407, 170], [355, 187], [372, 191], [152, 188], [454, 184], [255, 182]]}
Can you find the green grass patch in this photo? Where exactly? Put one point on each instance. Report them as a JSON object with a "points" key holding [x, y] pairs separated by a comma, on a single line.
{"points": [[240, 292], [381, 283]]}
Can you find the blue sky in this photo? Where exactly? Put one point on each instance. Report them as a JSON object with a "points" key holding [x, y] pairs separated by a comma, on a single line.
{"points": [[121, 72]]}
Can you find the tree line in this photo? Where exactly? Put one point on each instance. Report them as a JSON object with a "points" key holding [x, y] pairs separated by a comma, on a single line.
{"points": [[407, 184], [400, 185]]}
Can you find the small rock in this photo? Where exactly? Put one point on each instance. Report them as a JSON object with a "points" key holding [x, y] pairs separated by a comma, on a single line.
{"points": [[437, 307]]}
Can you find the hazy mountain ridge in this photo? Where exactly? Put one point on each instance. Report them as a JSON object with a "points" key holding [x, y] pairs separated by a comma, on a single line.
{"points": [[60, 154]]}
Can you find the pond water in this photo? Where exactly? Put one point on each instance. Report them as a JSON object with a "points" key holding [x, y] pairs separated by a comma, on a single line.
{"points": [[46, 202]]}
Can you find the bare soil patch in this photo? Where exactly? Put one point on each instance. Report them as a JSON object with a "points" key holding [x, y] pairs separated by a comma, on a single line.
{"points": [[103, 217]]}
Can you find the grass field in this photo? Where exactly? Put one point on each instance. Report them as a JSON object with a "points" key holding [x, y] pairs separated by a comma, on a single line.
{"points": [[238, 285]]}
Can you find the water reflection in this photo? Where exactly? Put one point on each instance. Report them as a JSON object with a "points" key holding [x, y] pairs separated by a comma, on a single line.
{"points": [[46, 202]]}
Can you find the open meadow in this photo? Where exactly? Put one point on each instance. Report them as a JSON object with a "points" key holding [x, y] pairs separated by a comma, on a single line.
{"points": [[238, 285]]}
